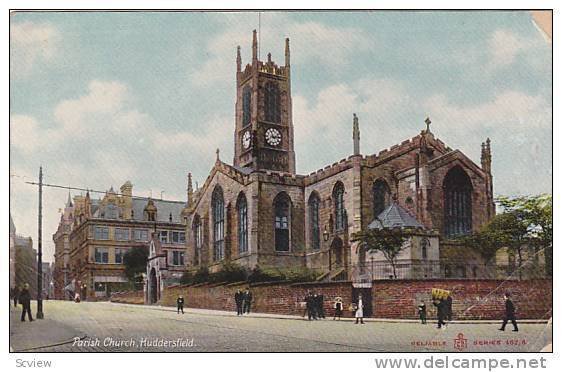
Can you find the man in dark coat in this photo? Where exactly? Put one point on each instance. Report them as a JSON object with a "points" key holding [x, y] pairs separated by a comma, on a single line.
{"points": [[180, 301], [238, 299], [25, 301], [509, 313], [320, 306], [441, 311], [449, 301], [422, 311], [15, 295], [247, 301]]}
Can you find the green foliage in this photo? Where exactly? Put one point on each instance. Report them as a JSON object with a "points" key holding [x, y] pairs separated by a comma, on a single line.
{"points": [[275, 274], [535, 212], [200, 276], [390, 242], [186, 278], [135, 260], [230, 273]]}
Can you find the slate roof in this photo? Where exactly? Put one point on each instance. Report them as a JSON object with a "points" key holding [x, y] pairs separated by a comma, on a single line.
{"points": [[163, 209], [395, 216], [243, 170]]}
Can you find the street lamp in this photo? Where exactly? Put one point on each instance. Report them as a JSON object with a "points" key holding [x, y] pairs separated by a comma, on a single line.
{"points": [[326, 234]]}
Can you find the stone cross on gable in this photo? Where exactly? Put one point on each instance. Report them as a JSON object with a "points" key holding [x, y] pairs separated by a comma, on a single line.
{"points": [[427, 122]]}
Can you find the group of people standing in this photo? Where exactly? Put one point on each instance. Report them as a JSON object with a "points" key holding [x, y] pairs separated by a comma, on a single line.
{"points": [[314, 306], [243, 301]]}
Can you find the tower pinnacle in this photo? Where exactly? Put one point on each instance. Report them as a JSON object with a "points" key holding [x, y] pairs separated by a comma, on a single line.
{"points": [[255, 47], [356, 135]]}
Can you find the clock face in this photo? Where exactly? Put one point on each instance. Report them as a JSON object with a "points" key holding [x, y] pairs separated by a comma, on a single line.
{"points": [[273, 137], [246, 138]]}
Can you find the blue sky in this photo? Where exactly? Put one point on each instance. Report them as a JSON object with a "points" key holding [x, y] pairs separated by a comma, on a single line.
{"points": [[101, 98]]}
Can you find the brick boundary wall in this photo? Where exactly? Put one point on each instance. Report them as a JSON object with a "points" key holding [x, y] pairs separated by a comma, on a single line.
{"points": [[394, 299], [131, 297], [472, 299]]}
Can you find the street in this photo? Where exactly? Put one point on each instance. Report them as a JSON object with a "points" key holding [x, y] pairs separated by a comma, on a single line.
{"points": [[110, 327]]}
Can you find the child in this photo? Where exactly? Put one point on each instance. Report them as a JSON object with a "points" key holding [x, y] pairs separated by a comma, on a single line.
{"points": [[422, 312], [180, 302]]}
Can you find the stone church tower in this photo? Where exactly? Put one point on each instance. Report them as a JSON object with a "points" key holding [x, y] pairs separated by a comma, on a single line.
{"points": [[263, 137]]}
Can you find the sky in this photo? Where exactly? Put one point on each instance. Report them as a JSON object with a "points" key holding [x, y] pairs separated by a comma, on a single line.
{"points": [[100, 98]]}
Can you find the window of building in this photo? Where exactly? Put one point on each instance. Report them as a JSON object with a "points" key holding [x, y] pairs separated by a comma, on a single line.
{"points": [[119, 253], [282, 208], [381, 196], [339, 206], [246, 105], [272, 103], [424, 246], [111, 211], [101, 255], [101, 233], [198, 238], [140, 235], [100, 287], [163, 236], [458, 203], [217, 204], [121, 234], [177, 258], [242, 207], [314, 215]]}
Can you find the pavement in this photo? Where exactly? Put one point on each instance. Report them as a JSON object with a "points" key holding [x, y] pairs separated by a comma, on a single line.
{"points": [[111, 327]]}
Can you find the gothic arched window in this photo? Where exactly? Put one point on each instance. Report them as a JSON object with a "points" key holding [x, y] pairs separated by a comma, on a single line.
{"points": [[198, 239], [314, 215], [217, 204], [272, 103], [339, 206], [242, 207], [458, 202], [282, 208], [246, 105], [381, 196]]}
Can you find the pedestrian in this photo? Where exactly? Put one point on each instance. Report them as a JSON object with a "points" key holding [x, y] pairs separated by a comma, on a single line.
{"points": [[25, 301], [247, 301], [180, 301], [309, 306], [320, 306], [314, 306], [359, 310], [338, 307], [441, 306], [238, 299], [16, 295], [449, 308], [509, 313], [422, 311]]}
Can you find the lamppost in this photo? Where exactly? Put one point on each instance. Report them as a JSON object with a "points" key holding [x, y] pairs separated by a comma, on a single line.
{"points": [[326, 234], [40, 250]]}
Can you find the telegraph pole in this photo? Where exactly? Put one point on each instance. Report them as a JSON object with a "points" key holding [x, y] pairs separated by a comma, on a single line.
{"points": [[39, 250]]}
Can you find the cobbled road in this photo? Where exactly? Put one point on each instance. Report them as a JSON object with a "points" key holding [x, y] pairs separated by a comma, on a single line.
{"points": [[109, 327]]}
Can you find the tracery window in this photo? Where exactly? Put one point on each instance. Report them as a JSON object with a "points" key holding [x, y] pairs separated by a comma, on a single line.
{"points": [[272, 103], [217, 204], [458, 203]]}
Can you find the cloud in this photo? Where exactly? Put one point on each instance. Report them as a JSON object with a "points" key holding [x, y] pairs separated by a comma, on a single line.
{"points": [[31, 44], [505, 47], [314, 38]]}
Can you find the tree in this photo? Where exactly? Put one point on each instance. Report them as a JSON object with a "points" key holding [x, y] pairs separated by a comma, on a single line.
{"points": [[135, 260], [390, 242], [536, 213]]}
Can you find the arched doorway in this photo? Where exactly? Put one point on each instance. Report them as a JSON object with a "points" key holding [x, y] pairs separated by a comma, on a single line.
{"points": [[336, 254], [153, 283]]}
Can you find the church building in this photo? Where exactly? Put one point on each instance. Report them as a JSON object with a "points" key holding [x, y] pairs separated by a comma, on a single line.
{"points": [[259, 211]]}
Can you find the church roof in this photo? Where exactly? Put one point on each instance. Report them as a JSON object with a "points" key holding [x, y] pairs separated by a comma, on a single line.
{"points": [[395, 216]]}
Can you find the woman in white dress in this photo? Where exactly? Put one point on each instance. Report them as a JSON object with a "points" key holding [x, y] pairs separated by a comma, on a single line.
{"points": [[359, 310]]}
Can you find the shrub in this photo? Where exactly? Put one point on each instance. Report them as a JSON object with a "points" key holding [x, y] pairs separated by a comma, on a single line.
{"points": [[230, 273]]}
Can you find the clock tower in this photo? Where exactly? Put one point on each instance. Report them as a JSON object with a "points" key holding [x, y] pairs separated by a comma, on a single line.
{"points": [[263, 137]]}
